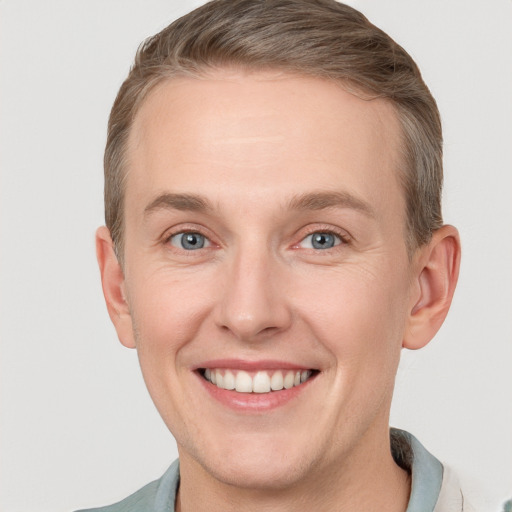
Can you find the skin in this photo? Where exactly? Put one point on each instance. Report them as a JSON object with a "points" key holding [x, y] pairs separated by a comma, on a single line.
{"points": [[251, 145]]}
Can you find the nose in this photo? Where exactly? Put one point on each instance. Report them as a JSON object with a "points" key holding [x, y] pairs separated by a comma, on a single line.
{"points": [[253, 303]]}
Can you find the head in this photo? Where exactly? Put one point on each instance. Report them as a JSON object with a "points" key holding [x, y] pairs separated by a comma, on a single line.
{"points": [[338, 43], [273, 175]]}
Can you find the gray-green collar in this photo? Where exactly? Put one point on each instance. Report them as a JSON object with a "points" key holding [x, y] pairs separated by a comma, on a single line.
{"points": [[426, 472]]}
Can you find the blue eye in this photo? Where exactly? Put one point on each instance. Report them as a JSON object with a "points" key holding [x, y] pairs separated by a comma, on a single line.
{"points": [[189, 241], [321, 240]]}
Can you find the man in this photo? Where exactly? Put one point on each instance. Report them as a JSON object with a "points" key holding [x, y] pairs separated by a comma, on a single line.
{"points": [[274, 237]]}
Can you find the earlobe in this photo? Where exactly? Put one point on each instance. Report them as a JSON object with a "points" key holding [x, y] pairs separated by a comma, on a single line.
{"points": [[434, 282], [113, 284]]}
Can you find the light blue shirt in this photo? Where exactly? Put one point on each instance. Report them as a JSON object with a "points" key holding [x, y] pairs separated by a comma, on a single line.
{"points": [[426, 473]]}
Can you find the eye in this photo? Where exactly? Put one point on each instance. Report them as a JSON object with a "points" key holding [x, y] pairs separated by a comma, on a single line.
{"points": [[321, 240], [189, 241]]}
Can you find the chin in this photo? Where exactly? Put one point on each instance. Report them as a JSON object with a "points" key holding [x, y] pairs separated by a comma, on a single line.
{"points": [[252, 463], [269, 475]]}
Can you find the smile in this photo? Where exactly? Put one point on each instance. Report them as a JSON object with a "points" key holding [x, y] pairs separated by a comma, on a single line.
{"points": [[262, 381]]}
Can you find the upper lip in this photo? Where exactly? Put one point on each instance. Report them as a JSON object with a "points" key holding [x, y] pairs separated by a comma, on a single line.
{"points": [[251, 366]]}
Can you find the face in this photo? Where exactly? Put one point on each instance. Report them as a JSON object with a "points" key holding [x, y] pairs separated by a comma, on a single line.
{"points": [[265, 251]]}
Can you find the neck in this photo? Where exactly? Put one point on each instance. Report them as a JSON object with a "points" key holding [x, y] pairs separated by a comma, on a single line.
{"points": [[367, 479]]}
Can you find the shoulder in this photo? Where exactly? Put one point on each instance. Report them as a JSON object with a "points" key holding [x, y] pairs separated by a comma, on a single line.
{"points": [[157, 496], [138, 501]]}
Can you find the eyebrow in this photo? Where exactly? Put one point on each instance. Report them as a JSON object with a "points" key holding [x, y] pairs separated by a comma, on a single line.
{"points": [[182, 202], [304, 202], [324, 200]]}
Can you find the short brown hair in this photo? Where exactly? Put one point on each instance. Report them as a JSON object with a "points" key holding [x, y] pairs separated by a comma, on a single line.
{"points": [[319, 38]]}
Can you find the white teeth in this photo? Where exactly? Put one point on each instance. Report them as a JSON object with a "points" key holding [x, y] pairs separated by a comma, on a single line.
{"points": [[229, 380], [276, 382], [304, 376], [243, 382], [219, 379], [288, 380], [261, 382]]}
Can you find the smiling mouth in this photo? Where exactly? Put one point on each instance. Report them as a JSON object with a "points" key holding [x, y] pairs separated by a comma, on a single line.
{"points": [[263, 381]]}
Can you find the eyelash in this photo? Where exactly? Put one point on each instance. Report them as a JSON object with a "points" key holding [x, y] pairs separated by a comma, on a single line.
{"points": [[327, 230], [342, 236], [166, 239]]}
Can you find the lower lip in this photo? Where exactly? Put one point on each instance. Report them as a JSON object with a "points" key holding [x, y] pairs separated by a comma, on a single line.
{"points": [[254, 402]]}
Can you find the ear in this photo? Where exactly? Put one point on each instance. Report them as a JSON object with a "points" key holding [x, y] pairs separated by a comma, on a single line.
{"points": [[113, 284], [434, 285]]}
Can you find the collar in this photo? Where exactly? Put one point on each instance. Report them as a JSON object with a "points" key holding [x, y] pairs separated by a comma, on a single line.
{"points": [[426, 471]]}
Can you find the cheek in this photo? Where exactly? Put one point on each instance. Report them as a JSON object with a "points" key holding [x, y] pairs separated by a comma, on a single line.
{"points": [[167, 312], [356, 315], [170, 301]]}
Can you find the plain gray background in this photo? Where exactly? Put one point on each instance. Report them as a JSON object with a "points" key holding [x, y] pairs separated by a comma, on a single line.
{"points": [[77, 425]]}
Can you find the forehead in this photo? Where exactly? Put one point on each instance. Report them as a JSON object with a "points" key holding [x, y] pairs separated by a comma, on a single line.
{"points": [[261, 132]]}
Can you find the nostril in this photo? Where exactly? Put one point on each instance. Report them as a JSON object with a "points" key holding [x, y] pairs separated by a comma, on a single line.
{"points": [[250, 333]]}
